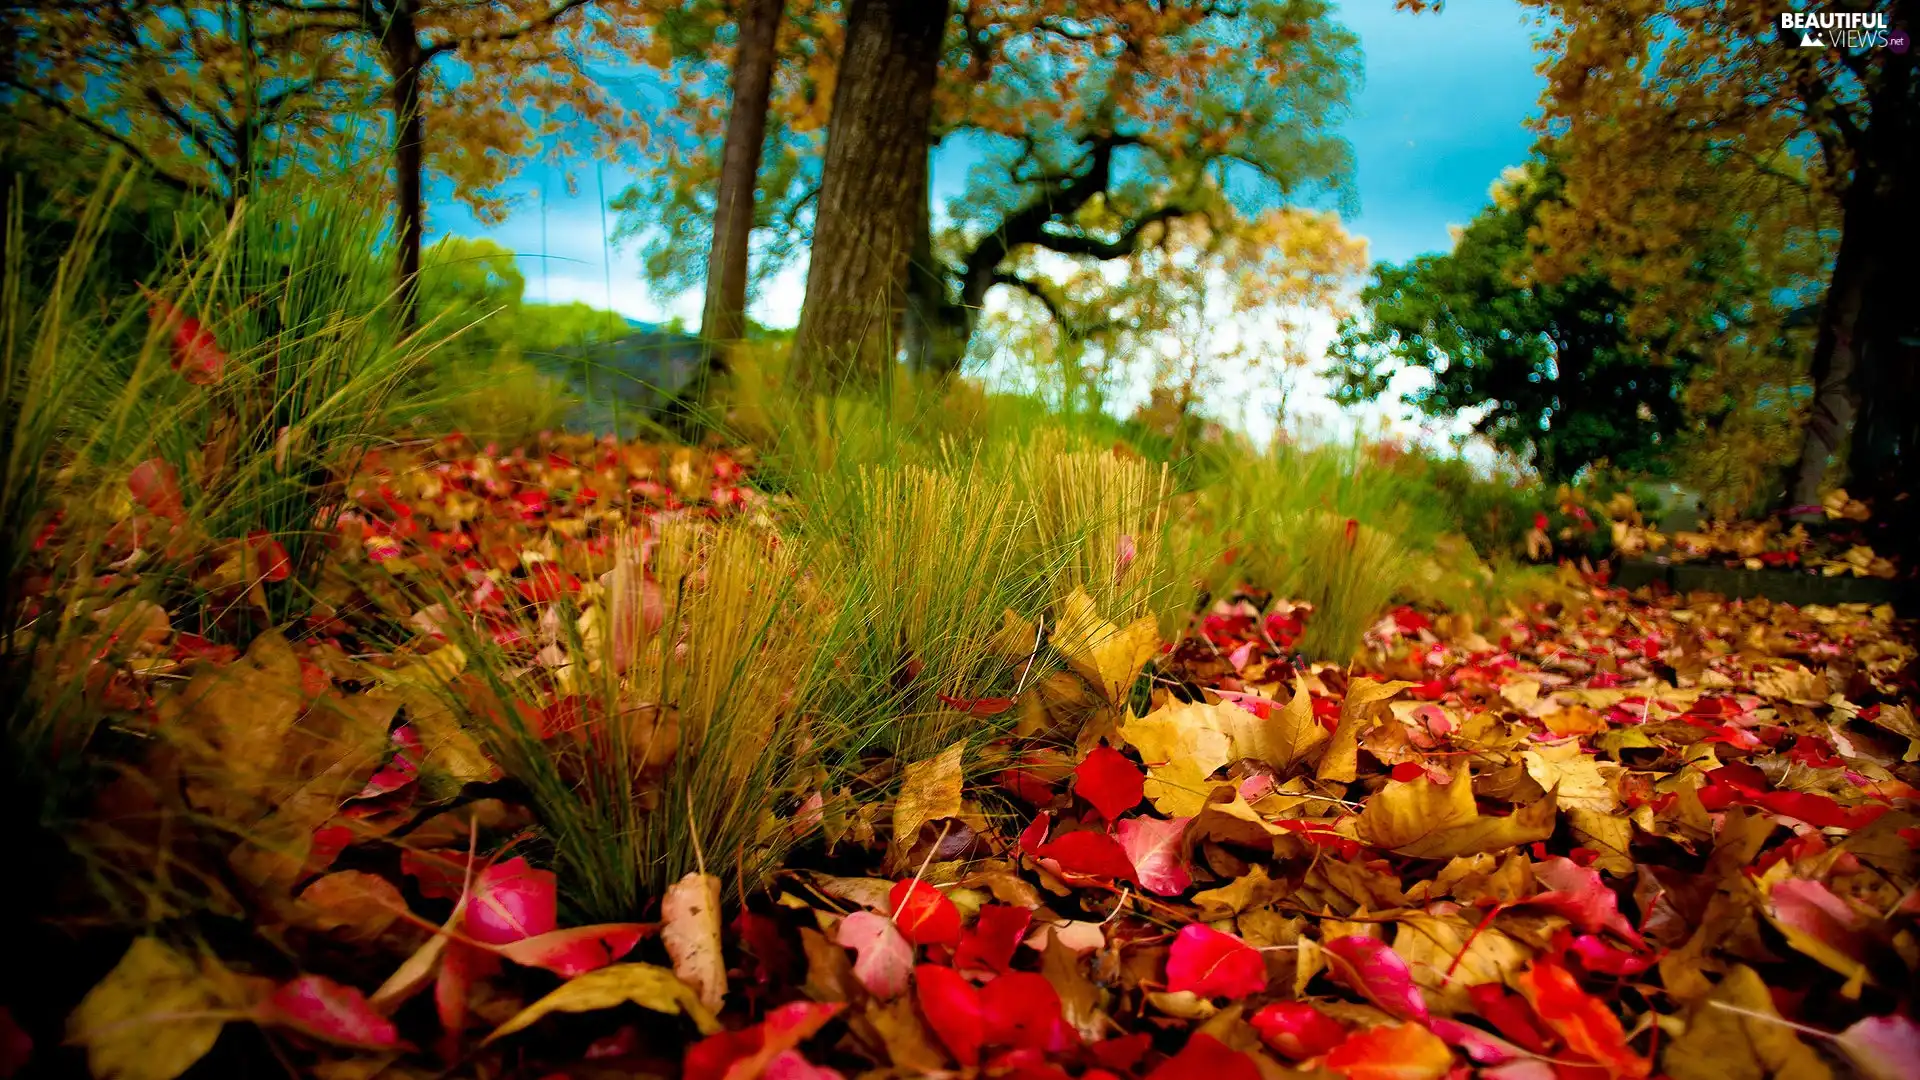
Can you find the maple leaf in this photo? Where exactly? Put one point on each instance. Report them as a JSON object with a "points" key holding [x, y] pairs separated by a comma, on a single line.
{"points": [[1436, 821], [930, 789], [1181, 751], [1108, 657], [1341, 760]]}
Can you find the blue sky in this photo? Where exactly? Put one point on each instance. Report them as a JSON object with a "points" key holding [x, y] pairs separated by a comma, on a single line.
{"points": [[1442, 111]]}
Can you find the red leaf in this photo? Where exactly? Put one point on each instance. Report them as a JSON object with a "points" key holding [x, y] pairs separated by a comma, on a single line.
{"points": [[884, 957], [1511, 1014], [577, 950], [1206, 1058], [1089, 853], [440, 875], [274, 564], [511, 901], [1153, 846], [952, 1008], [1582, 896], [1392, 1052], [156, 487], [1581, 1020], [1122, 1052], [990, 942], [1022, 1009], [1603, 959], [1109, 781], [317, 1006], [193, 351], [751, 1053], [461, 967], [1813, 909], [924, 914], [1213, 964], [1297, 1029], [792, 1065], [1369, 966], [982, 707]]}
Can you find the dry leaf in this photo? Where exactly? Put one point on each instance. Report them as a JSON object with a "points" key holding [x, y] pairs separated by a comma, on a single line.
{"points": [[1341, 762], [147, 1020], [1751, 1044], [646, 985], [1181, 748], [690, 930], [1105, 655], [929, 790], [1440, 821]]}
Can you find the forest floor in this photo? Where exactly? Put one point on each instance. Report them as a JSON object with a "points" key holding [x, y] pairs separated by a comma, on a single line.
{"points": [[1606, 835]]}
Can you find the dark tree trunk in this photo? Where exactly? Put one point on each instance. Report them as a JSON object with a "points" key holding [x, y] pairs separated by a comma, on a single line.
{"points": [[937, 329], [1836, 356], [406, 68], [873, 190], [724, 321]]}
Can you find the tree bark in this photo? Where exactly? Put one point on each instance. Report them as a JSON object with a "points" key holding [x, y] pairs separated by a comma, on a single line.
{"points": [[406, 68], [873, 186], [724, 320]]}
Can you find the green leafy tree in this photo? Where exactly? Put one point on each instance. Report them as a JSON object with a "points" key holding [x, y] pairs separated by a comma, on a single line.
{"points": [[1559, 378]]}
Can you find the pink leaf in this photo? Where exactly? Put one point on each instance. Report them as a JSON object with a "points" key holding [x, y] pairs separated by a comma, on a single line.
{"points": [[1883, 1047], [192, 349], [1109, 781], [511, 901], [792, 1065], [1580, 894], [1376, 971], [1153, 844], [578, 950], [884, 957], [317, 1006], [1813, 909], [156, 487], [1213, 964]]}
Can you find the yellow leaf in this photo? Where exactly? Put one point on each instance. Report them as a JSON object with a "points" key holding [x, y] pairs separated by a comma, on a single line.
{"points": [[1609, 835], [1181, 749], [930, 790], [1342, 759], [1439, 821], [1752, 1043], [147, 1020], [1448, 954], [690, 930], [646, 985], [1248, 890], [1282, 740], [1573, 775], [1105, 655]]}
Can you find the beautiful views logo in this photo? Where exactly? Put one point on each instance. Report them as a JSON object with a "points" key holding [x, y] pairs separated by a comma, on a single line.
{"points": [[1844, 29]]}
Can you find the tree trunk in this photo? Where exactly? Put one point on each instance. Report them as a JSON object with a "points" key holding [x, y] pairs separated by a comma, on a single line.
{"points": [[406, 67], [1835, 356], [873, 187], [724, 320], [937, 329]]}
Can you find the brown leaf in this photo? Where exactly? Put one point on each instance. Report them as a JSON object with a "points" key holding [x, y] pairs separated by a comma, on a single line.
{"points": [[1440, 821], [353, 905], [1105, 655], [929, 790]]}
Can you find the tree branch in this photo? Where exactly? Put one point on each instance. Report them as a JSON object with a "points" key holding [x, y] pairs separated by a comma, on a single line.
{"points": [[493, 37], [185, 187]]}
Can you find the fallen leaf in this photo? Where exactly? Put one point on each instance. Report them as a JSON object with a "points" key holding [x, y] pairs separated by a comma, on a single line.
{"points": [[1882, 1047], [690, 930], [1440, 821], [1108, 657], [1022, 1009], [646, 985], [989, 944], [885, 958], [1212, 964], [1206, 1058], [354, 905], [1449, 955], [577, 950], [924, 914], [930, 789], [1181, 752], [749, 1054], [148, 1019], [1750, 1044], [951, 1007], [511, 900], [1391, 1052], [1341, 762], [1581, 1020], [1297, 1029], [1113, 784], [317, 1006], [1573, 776], [1152, 845], [1378, 973]]}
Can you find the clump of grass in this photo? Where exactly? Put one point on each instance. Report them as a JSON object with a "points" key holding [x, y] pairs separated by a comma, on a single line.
{"points": [[1111, 517], [660, 723], [927, 563]]}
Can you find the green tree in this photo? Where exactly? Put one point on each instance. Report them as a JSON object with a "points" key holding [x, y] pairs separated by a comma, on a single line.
{"points": [[1558, 377]]}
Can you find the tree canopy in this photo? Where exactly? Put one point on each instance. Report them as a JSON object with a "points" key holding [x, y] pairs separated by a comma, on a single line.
{"points": [[1551, 369]]}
